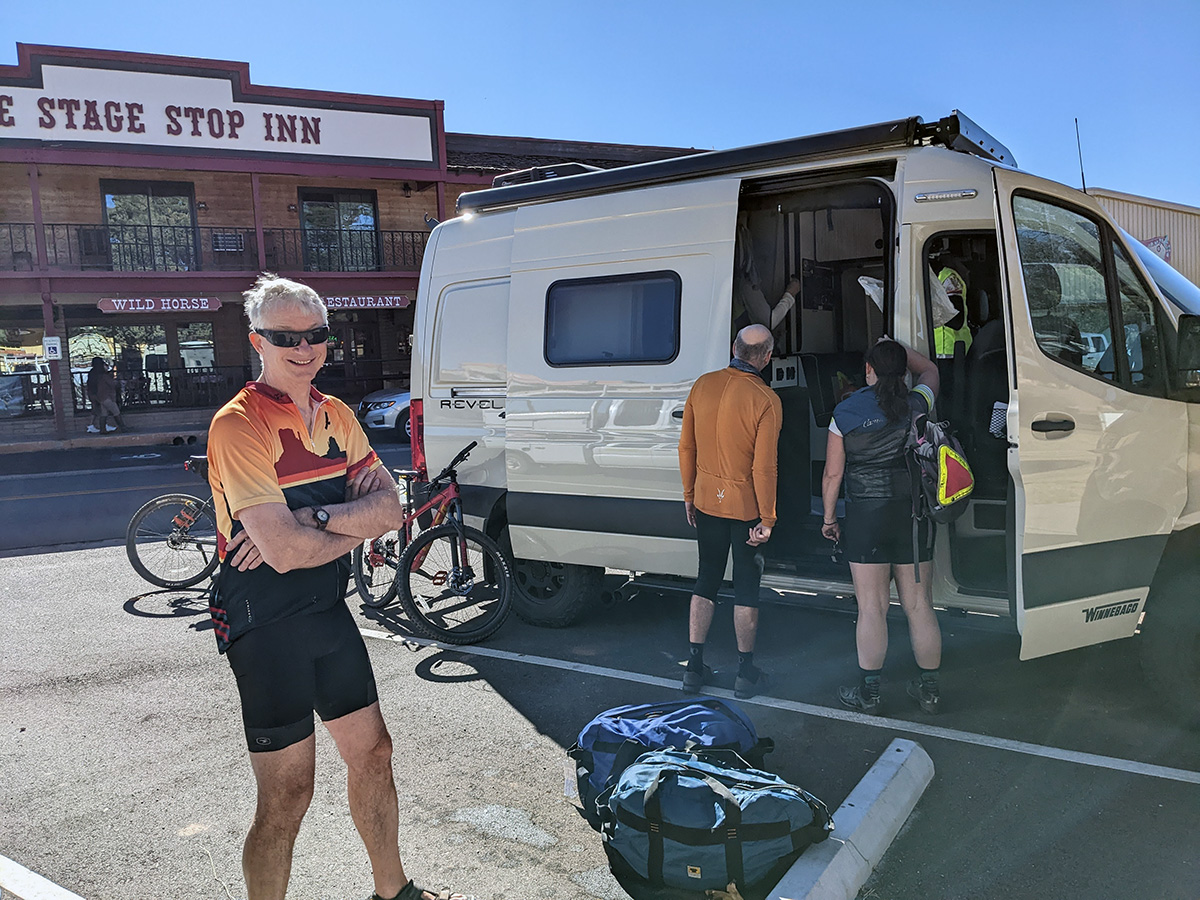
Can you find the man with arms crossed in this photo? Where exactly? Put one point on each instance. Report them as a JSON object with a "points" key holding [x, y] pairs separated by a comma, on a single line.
{"points": [[296, 487], [727, 457]]}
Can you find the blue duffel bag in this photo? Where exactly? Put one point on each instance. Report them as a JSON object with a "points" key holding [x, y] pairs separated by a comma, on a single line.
{"points": [[701, 820], [618, 736]]}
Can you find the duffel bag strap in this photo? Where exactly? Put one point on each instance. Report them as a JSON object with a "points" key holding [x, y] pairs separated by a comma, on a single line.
{"points": [[652, 806]]}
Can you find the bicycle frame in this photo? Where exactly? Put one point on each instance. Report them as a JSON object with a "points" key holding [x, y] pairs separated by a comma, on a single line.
{"points": [[449, 506]]}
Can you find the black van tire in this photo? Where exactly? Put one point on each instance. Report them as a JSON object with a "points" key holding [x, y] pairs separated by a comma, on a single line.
{"points": [[552, 595], [1169, 648]]}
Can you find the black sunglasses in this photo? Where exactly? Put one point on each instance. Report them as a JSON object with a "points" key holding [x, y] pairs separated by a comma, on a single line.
{"points": [[293, 338]]}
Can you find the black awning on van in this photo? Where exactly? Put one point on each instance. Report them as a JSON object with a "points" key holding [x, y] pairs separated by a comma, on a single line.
{"points": [[900, 133]]}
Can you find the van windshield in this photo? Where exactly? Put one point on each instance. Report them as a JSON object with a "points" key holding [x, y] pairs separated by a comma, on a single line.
{"points": [[1173, 285]]}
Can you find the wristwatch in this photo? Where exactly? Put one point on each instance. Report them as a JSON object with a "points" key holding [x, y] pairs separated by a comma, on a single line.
{"points": [[321, 517]]}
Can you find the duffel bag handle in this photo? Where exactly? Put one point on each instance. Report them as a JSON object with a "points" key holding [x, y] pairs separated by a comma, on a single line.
{"points": [[652, 808]]}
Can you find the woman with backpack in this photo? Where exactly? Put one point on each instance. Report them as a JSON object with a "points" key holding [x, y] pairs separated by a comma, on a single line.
{"points": [[868, 436]]}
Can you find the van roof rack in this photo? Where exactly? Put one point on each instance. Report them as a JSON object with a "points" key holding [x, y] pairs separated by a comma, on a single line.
{"points": [[956, 131], [541, 173]]}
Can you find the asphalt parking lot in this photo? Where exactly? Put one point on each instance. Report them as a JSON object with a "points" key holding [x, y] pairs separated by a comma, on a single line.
{"points": [[124, 774]]}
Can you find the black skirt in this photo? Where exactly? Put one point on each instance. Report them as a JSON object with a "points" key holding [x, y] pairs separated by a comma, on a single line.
{"points": [[880, 531]]}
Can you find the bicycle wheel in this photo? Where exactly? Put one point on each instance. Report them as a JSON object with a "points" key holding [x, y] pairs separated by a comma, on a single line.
{"points": [[375, 564], [457, 604], [172, 541]]}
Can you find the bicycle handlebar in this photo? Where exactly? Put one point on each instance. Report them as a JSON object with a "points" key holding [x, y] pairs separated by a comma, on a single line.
{"points": [[454, 463]]}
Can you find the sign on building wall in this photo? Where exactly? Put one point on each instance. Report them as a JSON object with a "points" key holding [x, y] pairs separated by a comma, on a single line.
{"points": [[390, 301], [119, 101], [1160, 247], [158, 304]]}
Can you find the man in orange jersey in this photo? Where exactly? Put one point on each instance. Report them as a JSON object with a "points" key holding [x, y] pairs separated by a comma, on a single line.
{"points": [[727, 457], [291, 469]]}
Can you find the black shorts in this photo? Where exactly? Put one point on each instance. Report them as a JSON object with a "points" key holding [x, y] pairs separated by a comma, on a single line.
{"points": [[880, 531], [716, 536], [288, 668]]}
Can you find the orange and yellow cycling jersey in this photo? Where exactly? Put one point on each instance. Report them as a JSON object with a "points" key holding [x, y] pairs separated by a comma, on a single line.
{"points": [[259, 451]]}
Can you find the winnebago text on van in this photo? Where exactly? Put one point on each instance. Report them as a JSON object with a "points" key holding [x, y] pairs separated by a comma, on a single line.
{"points": [[561, 322]]}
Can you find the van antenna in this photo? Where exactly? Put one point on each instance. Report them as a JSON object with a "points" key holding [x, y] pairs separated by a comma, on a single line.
{"points": [[1079, 147]]}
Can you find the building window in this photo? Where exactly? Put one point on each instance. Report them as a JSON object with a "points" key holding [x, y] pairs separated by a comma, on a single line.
{"points": [[621, 319], [340, 230], [150, 227]]}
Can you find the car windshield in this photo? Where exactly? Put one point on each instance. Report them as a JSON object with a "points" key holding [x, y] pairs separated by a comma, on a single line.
{"points": [[1173, 285]]}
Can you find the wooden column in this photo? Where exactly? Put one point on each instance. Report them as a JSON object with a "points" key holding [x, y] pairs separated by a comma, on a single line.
{"points": [[57, 394]]}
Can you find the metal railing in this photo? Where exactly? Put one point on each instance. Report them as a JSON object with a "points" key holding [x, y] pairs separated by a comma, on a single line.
{"points": [[343, 249], [25, 393], [18, 248], [183, 248], [201, 387]]}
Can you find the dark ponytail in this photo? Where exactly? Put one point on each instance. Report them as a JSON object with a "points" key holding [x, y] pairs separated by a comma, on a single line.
{"points": [[890, 361]]}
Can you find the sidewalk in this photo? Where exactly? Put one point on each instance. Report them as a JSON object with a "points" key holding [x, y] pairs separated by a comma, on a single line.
{"points": [[195, 434]]}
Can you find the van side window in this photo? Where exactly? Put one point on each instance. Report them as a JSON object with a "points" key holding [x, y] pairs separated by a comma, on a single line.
{"points": [[614, 320], [1062, 261], [1088, 311]]}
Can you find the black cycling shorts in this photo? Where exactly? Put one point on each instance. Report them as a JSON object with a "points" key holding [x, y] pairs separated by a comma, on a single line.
{"points": [[880, 531], [716, 537], [286, 669]]}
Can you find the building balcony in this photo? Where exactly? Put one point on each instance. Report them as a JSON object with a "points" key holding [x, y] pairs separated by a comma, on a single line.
{"points": [[184, 248]]}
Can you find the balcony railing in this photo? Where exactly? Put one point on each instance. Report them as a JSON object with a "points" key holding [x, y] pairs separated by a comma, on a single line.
{"points": [[343, 249], [183, 248]]}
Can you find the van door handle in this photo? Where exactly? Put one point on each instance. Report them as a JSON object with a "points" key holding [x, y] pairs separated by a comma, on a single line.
{"points": [[677, 414], [1044, 425]]}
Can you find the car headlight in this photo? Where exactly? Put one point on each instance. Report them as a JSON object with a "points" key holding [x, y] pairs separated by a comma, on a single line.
{"points": [[382, 404]]}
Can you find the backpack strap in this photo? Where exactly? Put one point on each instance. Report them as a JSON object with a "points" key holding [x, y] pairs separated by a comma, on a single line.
{"points": [[914, 476]]}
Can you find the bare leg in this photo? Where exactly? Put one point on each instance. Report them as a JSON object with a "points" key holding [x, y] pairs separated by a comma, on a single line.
{"points": [[923, 628], [364, 743], [745, 626], [700, 619], [285, 788], [871, 590]]}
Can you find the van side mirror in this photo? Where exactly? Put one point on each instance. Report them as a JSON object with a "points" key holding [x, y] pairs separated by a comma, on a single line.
{"points": [[1187, 356]]}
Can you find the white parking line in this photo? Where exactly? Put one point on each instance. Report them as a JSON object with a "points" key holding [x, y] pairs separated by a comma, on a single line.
{"points": [[1128, 766]]}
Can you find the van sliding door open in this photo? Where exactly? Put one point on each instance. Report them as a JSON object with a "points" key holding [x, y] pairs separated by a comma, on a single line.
{"points": [[1097, 453]]}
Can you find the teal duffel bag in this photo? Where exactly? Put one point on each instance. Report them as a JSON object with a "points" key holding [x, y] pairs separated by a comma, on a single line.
{"points": [[701, 820]]}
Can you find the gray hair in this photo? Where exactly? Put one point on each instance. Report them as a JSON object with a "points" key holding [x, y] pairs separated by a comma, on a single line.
{"points": [[270, 291], [754, 344]]}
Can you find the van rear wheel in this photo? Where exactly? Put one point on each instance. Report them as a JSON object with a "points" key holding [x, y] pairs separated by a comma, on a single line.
{"points": [[552, 594], [1170, 646]]}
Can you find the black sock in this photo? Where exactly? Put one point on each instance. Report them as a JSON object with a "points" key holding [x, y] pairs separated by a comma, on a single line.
{"points": [[870, 681], [745, 662], [929, 678], [695, 656]]}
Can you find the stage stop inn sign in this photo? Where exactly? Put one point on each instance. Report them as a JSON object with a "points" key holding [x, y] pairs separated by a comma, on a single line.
{"points": [[162, 104]]}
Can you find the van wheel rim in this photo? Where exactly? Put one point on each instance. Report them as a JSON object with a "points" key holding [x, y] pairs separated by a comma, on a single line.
{"points": [[539, 580]]}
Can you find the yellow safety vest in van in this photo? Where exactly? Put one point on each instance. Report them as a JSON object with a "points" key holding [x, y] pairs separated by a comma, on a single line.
{"points": [[945, 337]]}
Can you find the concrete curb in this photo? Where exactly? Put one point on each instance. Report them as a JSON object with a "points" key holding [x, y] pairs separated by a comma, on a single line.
{"points": [[865, 826], [18, 883]]}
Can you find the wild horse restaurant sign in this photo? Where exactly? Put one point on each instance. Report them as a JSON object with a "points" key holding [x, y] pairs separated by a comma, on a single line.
{"points": [[102, 100], [158, 304]]}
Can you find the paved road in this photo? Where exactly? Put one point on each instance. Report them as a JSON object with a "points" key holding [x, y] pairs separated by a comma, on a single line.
{"points": [[78, 496], [122, 771]]}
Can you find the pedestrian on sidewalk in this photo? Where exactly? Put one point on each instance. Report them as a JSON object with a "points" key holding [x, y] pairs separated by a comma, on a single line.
{"points": [[103, 387], [727, 457], [866, 448], [292, 469]]}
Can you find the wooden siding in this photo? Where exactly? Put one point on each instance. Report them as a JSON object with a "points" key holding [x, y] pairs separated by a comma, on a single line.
{"points": [[1145, 218]]}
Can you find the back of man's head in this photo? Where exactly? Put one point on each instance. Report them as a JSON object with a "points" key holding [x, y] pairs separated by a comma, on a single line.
{"points": [[753, 345]]}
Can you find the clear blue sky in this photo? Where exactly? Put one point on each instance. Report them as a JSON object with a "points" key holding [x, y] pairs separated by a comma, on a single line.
{"points": [[715, 75]]}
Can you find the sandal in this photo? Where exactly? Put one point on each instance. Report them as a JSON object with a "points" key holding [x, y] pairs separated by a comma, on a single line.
{"points": [[411, 892]]}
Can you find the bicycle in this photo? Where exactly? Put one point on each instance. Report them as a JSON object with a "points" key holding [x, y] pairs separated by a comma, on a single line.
{"points": [[453, 581], [172, 540]]}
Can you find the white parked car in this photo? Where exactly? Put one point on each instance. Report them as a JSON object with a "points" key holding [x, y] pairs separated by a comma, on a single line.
{"points": [[1094, 345], [386, 410]]}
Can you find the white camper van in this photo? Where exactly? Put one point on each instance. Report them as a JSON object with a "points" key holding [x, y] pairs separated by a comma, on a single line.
{"points": [[562, 318]]}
